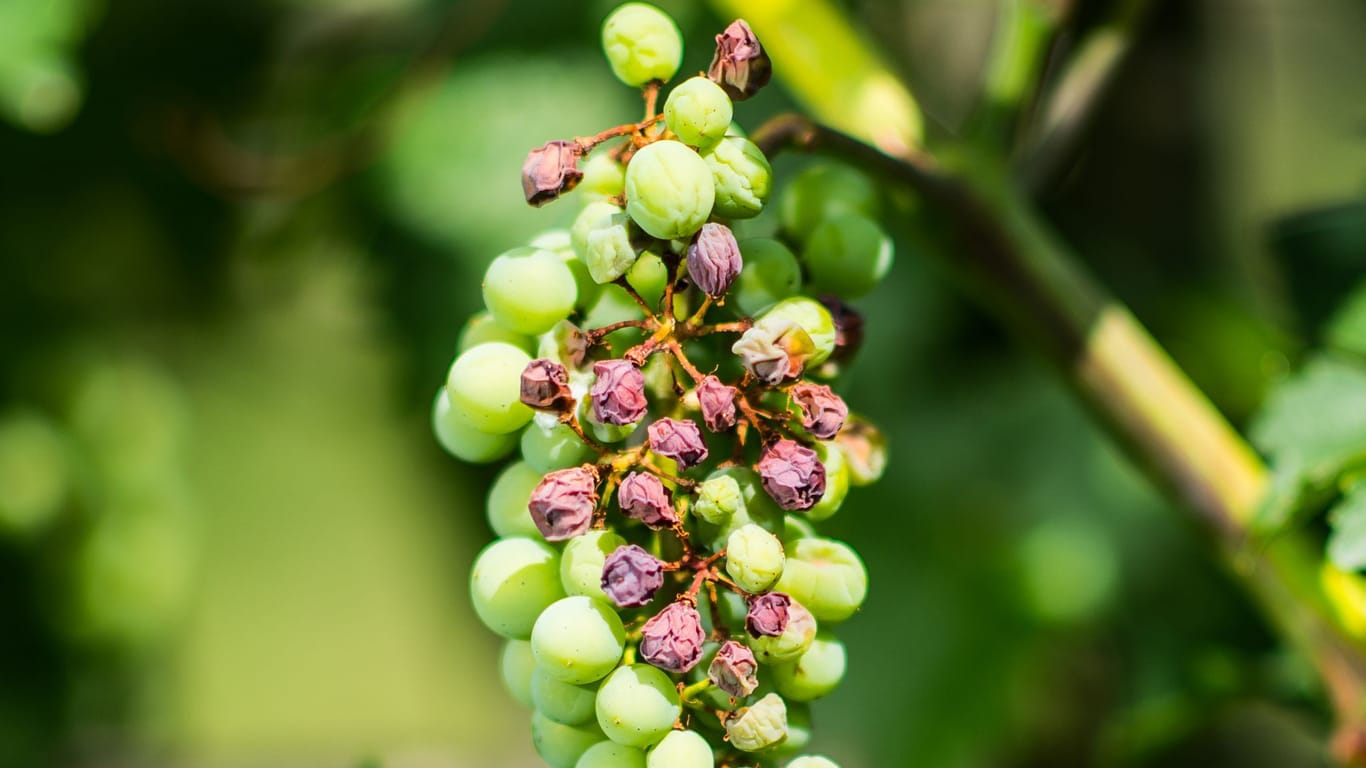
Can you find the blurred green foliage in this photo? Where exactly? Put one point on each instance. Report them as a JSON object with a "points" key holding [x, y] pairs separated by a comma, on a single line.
{"points": [[236, 240]]}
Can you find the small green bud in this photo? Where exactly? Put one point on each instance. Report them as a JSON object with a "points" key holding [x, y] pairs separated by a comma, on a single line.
{"points": [[718, 499]]}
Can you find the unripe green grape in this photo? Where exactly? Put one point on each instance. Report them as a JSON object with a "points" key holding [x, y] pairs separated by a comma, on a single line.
{"points": [[592, 216], [481, 328], [642, 44], [815, 673], [826, 576], [648, 276], [485, 388], [669, 190], [582, 561], [603, 176], [33, 473], [577, 639], [463, 441], [770, 274], [754, 558], [516, 665], [742, 176], [759, 508], [609, 754], [513, 581], [561, 243], [836, 480], [610, 253], [561, 746], [565, 703], [760, 726], [681, 749], [637, 705], [812, 761], [847, 255], [812, 318], [698, 112], [822, 192], [718, 499], [528, 290], [798, 729], [792, 643], [798, 527], [506, 506], [555, 448]]}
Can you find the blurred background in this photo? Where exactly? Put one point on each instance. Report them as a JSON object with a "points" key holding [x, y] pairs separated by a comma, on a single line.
{"points": [[238, 241]]}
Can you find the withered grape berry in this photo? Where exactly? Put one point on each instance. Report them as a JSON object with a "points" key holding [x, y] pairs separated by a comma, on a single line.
{"points": [[660, 575]]}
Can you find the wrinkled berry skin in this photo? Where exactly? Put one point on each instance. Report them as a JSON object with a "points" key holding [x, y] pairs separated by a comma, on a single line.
{"points": [[545, 385], [791, 474], [643, 497], [823, 411], [768, 615], [680, 440], [551, 170], [672, 639], [740, 65], [774, 349], [618, 393], [734, 670], [562, 504], [714, 259], [717, 402], [631, 576]]}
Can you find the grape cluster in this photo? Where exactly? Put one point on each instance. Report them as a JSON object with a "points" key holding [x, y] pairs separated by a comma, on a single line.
{"points": [[666, 599]]}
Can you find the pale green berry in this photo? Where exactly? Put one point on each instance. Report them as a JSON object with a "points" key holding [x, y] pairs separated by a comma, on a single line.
{"points": [[582, 560], [589, 218], [718, 498], [513, 581], [609, 754], [770, 274], [560, 746], [826, 576], [561, 243], [565, 703], [669, 190], [484, 387], [609, 250], [836, 480], [462, 440], [642, 44], [847, 255], [681, 749], [603, 176], [577, 639], [516, 665], [815, 673], [754, 558], [759, 727], [648, 276], [528, 290], [742, 177], [482, 328], [698, 112], [812, 761], [811, 317], [637, 705], [822, 192]]}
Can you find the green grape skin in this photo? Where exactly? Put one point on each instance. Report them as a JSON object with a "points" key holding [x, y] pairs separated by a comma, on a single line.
{"points": [[515, 666], [669, 190], [822, 192], [582, 561], [463, 441], [482, 328], [698, 112], [759, 727], [637, 705], [642, 44], [513, 581], [609, 754], [759, 508], [826, 576], [547, 450], [799, 527], [681, 749], [836, 481], [562, 702], [578, 639], [484, 388], [609, 250], [589, 218], [647, 277], [812, 761], [754, 558], [742, 176], [561, 243], [528, 290], [798, 729], [603, 177], [812, 318], [770, 274], [506, 506], [718, 499], [847, 255], [561, 746], [815, 673]]}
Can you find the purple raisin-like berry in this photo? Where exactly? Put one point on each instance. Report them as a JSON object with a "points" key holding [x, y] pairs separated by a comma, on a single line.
{"points": [[714, 259], [618, 393], [823, 412], [672, 639], [550, 171], [631, 576], [680, 440], [643, 497], [545, 385], [734, 669], [740, 65], [562, 504], [717, 402], [792, 474], [767, 615]]}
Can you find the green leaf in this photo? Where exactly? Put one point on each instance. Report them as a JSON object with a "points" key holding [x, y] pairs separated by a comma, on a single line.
{"points": [[1347, 542]]}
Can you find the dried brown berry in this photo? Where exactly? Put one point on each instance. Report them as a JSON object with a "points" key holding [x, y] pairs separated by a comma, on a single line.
{"points": [[550, 171], [545, 385], [792, 474], [678, 439], [643, 497], [823, 412], [740, 65], [562, 504], [672, 639]]}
